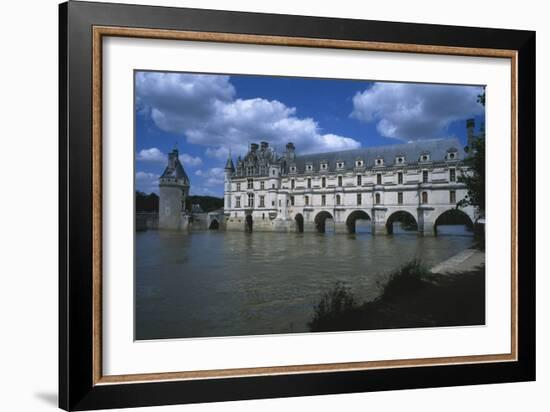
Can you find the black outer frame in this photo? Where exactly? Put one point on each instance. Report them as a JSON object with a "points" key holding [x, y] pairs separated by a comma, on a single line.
{"points": [[76, 389]]}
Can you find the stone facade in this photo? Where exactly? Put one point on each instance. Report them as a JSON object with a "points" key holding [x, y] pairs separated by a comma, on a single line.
{"points": [[286, 192]]}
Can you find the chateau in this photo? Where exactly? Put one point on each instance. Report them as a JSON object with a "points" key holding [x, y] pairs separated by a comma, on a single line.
{"points": [[413, 182]]}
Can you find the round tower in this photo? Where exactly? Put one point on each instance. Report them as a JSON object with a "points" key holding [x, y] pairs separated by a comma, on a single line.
{"points": [[228, 173], [173, 190]]}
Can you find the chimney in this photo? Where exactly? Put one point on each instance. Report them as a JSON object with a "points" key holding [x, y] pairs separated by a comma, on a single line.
{"points": [[264, 145], [290, 151], [470, 125], [253, 147]]}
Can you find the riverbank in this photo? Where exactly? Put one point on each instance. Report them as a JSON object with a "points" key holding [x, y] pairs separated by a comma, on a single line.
{"points": [[413, 297], [465, 261]]}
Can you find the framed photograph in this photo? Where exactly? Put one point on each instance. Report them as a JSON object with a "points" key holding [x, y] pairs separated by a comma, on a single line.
{"points": [[256, 205]]}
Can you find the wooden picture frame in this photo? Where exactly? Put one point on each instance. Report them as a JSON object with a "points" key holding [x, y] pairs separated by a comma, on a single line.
{"points": [[82, 384]]}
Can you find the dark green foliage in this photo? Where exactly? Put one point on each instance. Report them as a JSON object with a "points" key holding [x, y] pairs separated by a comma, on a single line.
{"points": [[408, 279], [475, 182], [147, 202], [334, 303], [207, 203], [412, 297]]}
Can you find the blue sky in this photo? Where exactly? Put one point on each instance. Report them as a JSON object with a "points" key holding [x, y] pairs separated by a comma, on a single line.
{"points": [[205, 115]]}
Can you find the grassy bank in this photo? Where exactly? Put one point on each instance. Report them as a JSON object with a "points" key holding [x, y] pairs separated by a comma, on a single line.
{"points": [[412, 297]]}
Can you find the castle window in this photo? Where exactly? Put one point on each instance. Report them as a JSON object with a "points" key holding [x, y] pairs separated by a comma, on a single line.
{"points": [[272, 203], [309, 167], [424, 197], [377, 198], [400, 160], [251, 200], [249, 170], [379, 162], [324, 166], [273, 185], [378, 178], [238, 202], [250, 183], [324, 182], [424, 176], [273, 172], [452, 175], [262, 185], [358, 163], [399, 198], [307, 200], [309, 183], [338, 200], [238, 187], [339, 180], [263, 216], [292, 183], [291, 200], [359, 180], [323, 200], [359, 199], [340, 165], [262, 201], [399, 178], [452, 197], [425, 157], [293, 169]]}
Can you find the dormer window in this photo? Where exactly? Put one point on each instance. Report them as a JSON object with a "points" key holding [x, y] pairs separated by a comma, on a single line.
{"points": [[399, 159], [293, 169], [324, 165], [359, 163], [340, 164], [452, 154], [309, 167], [425, 157], [379, 161]]}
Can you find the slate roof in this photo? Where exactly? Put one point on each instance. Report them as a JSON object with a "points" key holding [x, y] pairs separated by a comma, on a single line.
{"points": [[176, 172], [437, 150]]}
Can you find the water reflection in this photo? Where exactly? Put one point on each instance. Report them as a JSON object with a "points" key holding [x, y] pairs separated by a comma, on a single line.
{"points": [[230, 283]]}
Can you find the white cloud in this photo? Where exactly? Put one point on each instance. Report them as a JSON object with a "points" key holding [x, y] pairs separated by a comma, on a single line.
{"points": [[409, 111], [212, 177], [151, 155], [189, 160], [204, 108], [147, 182], [155, 155]]}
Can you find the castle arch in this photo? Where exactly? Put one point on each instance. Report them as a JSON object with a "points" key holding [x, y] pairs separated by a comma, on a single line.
{"points": [[320, 221], [354, 217], [406, 219], [453, 217]]}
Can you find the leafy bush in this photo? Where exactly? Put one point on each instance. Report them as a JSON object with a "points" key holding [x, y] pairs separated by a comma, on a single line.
{"points": [[411, 277], [333, 304]]}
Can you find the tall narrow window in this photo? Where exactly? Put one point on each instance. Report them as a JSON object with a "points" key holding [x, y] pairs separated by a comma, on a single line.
{"points": [[250, 183], [424, 197], [307, 200], [399, 198], [399, 178], [359, 180], [309, 183], [359, 200], [377, 198], [238, 187], [238, 202], [338, 200], [424, 176], [452, 197], [291, 200], [262, 201], [262, 185], [323, 200], [292, 183], [379, 178], [339, 180], [251, 200], [324, 182], [452, 175]]}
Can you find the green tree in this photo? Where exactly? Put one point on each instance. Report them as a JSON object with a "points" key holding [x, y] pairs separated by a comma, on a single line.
{"points": [[475, 180]]}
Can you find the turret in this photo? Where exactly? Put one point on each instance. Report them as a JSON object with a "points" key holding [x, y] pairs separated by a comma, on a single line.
{"points": [[229, 170], [290, 152]]}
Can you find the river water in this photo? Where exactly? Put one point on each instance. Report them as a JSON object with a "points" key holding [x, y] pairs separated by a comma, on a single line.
{"points": [[209, 283]]}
